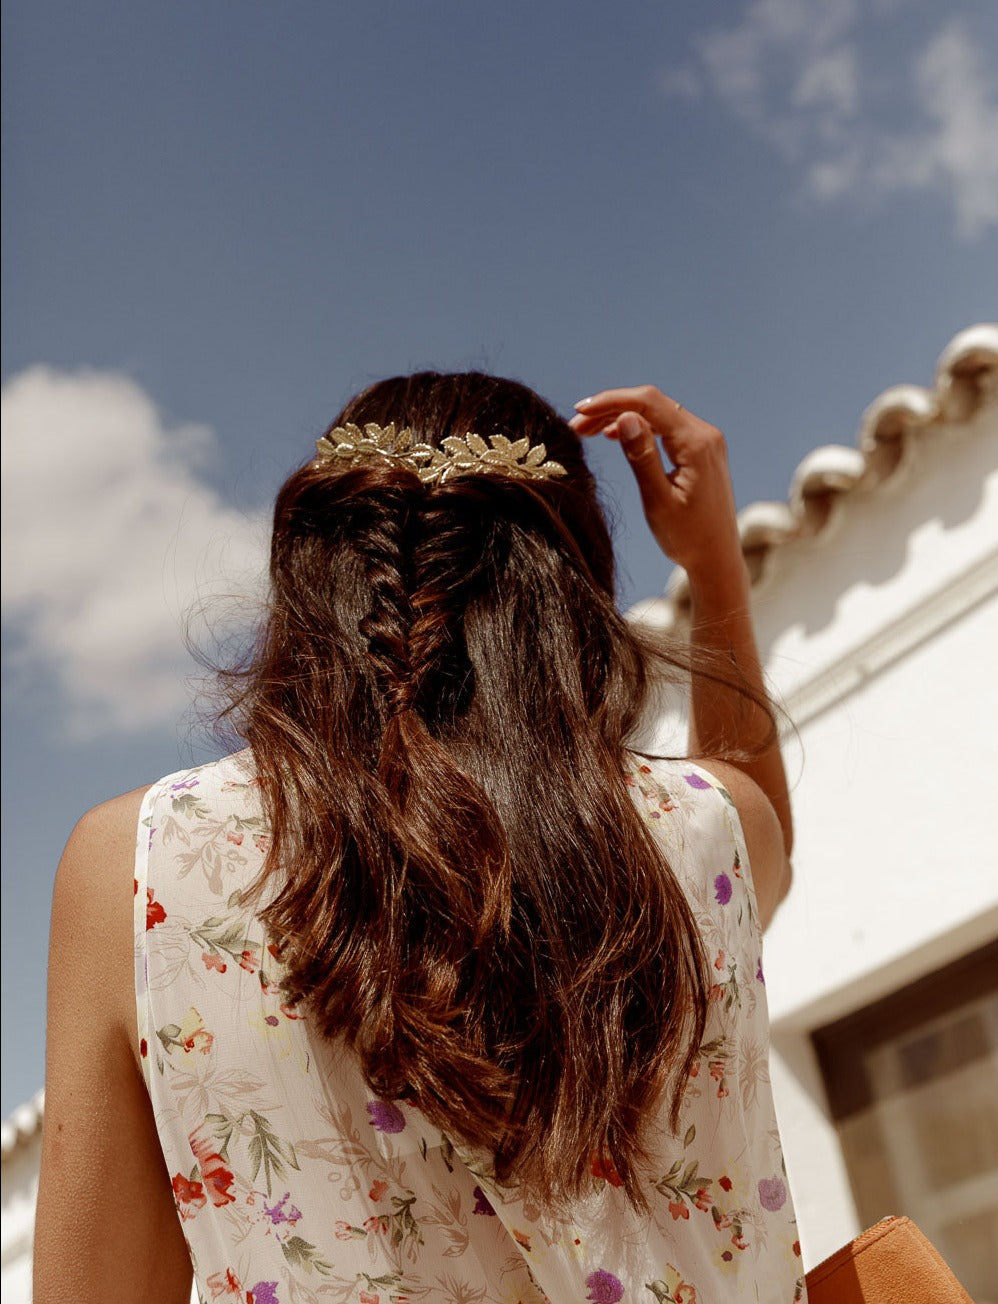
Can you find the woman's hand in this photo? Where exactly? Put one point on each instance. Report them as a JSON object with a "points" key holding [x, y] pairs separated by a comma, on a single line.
{"points": [[691, 512], [690, 508]]}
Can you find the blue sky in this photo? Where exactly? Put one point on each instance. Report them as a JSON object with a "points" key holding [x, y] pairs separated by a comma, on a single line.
{"points": [[223, 218]]}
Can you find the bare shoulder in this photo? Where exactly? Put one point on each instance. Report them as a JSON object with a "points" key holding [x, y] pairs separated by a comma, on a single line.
{"points": [[92, 899], [102, 839], [771, 871]]}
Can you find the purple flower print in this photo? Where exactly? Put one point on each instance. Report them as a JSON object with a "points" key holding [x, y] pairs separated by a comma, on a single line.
{"points": [[759, 976], [722, 889], [695, 781], [482, 1205], [772, 1193], [385, 1117], [185, 786], [604, 1287], [277, 1212], [265, 1292]]}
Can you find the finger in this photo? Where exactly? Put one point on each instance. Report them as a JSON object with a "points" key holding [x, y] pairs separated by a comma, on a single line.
{"points": [[641, 449], [663, 412]]}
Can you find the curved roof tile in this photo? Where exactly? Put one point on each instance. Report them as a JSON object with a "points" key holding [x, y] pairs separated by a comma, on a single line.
{"points": [[23, 1124], [966, 376]]}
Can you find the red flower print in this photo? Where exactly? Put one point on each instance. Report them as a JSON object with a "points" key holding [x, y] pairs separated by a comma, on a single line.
{"points": [[725, 1183], [606, 1169], [212, 960], [135, 887], [716, 992], [143, 1048], [225, 1285], [217, 1179], [719, 962], [739, 1242], [289, 1011], [261, 841], [375, 1224], [796, 1248], [235, 837], [377, 1191], [695, 1069], [215, 1175], [155, 914], [189, 1196], [678, 1210], [366, 1297], [702, 1199], [521, 1238], [249, 960], [342, 1230], [274, 950], [717, 1069]]}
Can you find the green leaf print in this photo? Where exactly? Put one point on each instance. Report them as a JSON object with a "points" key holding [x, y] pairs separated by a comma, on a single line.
{"points": [[302, 1254], [267, 1150]]}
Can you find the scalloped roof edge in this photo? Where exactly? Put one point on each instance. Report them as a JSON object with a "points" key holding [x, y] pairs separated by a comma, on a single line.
{"points": [[24, 1124], [966, 374]]}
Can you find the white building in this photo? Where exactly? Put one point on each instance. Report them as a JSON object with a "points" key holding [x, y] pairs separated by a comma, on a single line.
{"points": [[875, 592], [876, 599]]}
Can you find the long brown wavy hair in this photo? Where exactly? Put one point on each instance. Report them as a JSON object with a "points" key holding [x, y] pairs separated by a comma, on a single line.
{"points": [[460, 883]]}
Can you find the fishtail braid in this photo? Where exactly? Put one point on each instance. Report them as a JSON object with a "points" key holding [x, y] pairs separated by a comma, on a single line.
{"points": [[383, 550]]}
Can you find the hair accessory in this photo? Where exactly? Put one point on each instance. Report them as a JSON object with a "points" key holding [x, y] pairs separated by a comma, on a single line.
{"points": [[471, 455]]}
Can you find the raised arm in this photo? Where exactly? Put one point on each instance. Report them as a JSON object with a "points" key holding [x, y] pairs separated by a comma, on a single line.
{"points": [[690, 509]]}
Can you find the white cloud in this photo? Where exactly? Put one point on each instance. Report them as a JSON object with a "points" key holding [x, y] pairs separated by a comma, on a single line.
{"points": [[110, 540], [809, 77]]}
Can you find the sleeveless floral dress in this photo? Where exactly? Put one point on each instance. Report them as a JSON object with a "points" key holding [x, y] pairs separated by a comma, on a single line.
{"points": [[294, 1185]]}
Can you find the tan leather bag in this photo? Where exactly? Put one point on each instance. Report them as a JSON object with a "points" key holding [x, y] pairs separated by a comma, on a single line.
{"points": [[890, 1263]]}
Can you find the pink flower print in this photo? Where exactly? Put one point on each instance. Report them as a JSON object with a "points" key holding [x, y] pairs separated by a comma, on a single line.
{"points": [[265, 1292], [261, 841], [212, 960], [271, 1020], [719, 961], [366, 1297], [249, 960], [378, 1189], [772, 1193], [385, 1117], [722, 889], [234, 836], [695, 781], [482, 1206], [342, 1230], [604, 1287]]}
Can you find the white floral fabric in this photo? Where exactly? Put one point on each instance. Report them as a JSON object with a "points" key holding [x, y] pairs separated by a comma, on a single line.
{"points": [[295, 1185]]}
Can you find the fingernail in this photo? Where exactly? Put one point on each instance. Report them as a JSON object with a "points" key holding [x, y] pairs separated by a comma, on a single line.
{"points": [[583, 402], [629, 428]]}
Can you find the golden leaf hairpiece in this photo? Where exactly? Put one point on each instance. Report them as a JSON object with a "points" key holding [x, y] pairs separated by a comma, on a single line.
{"points": [[471, 455]]}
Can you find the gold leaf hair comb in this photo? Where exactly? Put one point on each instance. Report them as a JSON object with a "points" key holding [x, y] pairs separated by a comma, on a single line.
{"points": [[471, 455]]}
